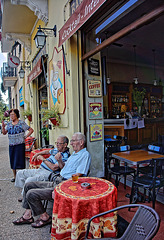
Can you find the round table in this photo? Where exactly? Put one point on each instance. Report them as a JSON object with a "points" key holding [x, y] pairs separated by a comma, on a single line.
{"points": [[36, 163], [74, 206]]}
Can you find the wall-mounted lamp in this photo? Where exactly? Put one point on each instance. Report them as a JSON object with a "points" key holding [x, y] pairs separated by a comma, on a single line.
{"points": [[40, 37], [24, 65], [135, 66]]}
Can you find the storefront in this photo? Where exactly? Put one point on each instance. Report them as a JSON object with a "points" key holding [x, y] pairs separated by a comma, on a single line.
{"points": [[37, 85], [122, 51]]}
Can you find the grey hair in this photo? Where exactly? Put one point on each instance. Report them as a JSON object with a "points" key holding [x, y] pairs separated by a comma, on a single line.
{"points": [[80, 136], [65, 139]]}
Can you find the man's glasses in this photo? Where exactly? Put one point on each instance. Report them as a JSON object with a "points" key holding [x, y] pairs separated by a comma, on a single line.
{"points": [[58, 143], [75, 140]]}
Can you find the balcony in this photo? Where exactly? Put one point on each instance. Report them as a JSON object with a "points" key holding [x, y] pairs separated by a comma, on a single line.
{"points": [[9, 75]]}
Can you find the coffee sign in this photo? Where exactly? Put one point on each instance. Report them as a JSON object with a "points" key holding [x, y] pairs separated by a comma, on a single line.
{"points": [[94, 88]]}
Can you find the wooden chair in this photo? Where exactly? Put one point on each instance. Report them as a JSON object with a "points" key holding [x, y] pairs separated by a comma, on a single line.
{"points": [[144, 224]]}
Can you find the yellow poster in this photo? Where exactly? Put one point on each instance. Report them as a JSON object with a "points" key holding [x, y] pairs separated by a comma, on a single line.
{"points": [[57, 81], [95, 132]]}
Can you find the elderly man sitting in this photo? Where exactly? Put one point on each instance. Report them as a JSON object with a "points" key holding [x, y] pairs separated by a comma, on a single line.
{"points": [[78, 163], [47, 166]]}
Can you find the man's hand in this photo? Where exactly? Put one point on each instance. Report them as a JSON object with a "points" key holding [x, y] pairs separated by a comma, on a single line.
{"points": [[53, 194], [34, 157], [58, 156]]}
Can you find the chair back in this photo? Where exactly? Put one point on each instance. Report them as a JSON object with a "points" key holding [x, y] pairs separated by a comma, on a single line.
{"points": [[124, 148], [29, 145], [154, 148], [144, 224]]}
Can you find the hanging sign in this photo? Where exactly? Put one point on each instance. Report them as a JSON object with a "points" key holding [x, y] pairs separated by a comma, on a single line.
{"points": [[85, 10], [95, 132], [36, 71], [57, 81], [94, 88], [95, 110], [13, 61], [93, 67]]}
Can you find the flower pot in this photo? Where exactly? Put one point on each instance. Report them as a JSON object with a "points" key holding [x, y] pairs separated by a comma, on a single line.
{"points": [[54, 121], [29, 118]]}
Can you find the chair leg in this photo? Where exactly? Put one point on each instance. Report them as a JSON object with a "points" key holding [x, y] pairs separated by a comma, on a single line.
{"points": [[153, 198], [116, 182], [132, 192], [124, 181]]}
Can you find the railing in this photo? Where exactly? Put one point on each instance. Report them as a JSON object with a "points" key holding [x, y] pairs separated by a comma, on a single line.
{"points": [[7, 71]]}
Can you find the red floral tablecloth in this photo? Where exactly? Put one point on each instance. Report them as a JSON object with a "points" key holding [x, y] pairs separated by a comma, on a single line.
{"points": [[74, 206], [36, 163]]}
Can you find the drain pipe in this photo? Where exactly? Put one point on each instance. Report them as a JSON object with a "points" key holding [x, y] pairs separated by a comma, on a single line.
{"points": [[78, 73]]}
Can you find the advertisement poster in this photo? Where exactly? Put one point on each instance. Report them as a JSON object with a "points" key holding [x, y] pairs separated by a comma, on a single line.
{"points": [[94, 88], [95, 110], [57, 81], [95, 132]]}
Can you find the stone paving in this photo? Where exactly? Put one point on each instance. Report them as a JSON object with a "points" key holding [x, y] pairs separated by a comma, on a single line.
{"points": [[9, 195]]}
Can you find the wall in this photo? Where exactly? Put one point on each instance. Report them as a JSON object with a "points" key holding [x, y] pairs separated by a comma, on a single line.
{"points": [[96, 148], [72, 119]]}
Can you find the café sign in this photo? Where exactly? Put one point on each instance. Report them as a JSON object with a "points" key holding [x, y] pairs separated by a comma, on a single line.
{"points": [[85, 10]]}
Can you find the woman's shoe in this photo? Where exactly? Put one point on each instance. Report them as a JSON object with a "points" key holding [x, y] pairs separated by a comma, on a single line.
{"points": [[13, 180]]}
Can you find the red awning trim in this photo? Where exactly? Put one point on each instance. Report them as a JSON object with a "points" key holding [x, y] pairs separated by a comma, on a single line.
{"points": [[36, 71], [85, 10]]}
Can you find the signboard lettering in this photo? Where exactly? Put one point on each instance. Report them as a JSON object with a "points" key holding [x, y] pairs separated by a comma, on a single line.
{"points": [[78, 18]]}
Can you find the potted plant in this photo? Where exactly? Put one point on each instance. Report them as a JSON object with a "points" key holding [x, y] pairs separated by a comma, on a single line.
{"points": [[138, 96], [28, 114], [52, 115], [45, 134]]}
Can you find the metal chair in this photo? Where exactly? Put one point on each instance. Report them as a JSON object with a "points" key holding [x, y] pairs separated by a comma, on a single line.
{"points": [[144, 225], [152, 181], [148, 169], [119, 171]]}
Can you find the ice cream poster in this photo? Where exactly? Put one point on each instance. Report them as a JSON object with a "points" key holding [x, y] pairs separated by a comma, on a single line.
{"points": [[95, 110], [95, 132], [57, 80]]}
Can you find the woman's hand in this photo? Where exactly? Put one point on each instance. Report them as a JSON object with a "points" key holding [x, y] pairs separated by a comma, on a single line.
{"points": [[4, 131]]}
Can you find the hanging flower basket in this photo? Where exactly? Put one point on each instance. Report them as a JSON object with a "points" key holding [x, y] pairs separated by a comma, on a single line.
{"points": [[54, 121], [29, 118]]}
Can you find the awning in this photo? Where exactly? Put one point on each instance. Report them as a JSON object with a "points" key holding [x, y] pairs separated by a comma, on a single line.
{"points": [[36, 71], [85, 10]]}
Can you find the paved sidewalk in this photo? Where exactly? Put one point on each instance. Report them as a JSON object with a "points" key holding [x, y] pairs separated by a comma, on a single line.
{"points": [[9, 195]]}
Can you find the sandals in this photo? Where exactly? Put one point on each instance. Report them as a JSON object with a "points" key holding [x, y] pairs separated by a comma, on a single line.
{"points": [[41, 223], [21, 221]]}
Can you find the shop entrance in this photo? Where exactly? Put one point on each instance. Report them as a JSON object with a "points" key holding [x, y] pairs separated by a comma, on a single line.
{"points": [[43, 104]]}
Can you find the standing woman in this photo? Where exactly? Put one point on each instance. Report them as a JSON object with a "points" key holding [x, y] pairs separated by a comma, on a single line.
{"points": [[16, 133]]}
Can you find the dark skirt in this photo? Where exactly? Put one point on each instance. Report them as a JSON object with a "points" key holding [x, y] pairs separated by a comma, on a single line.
{"points": [[17, 156]]}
